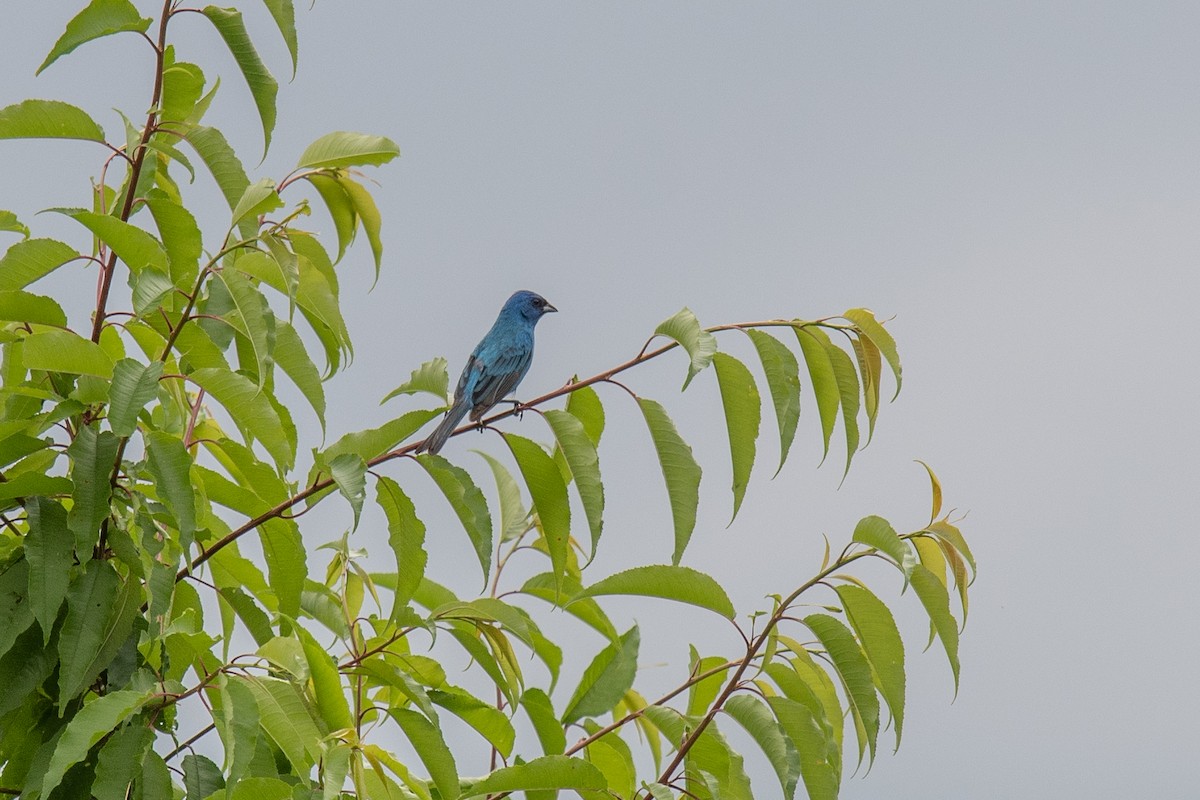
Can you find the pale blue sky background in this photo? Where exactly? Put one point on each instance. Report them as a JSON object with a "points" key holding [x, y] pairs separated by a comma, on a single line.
{"points": [[1016, 184]]}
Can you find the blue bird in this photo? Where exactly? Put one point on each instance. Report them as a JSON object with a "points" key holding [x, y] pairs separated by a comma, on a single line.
{"points": [[495, 367]]}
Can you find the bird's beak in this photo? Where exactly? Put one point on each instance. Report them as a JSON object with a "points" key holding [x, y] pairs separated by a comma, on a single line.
{"points": [[546, 309]]}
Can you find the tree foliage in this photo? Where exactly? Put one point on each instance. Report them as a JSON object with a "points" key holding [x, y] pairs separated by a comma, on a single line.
{"points": [[140, 452]]}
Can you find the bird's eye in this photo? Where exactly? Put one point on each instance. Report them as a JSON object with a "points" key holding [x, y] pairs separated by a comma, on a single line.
{"points": [[539, 302]]}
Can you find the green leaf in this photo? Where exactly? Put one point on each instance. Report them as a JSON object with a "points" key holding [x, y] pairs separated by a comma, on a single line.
{"points": [[346, 149], [681, 584], [680, 470], [47, 119], [700, 345], [514, 517], [549, 495], [134, 246], [326, 683], [877, 532], [286, 562], [134, 385], [284, 14], [15, 595], [286, 720], [489, 721], [249, 407], [32, 483], [743, 413], [783, 379], [951, 535], [18, 306], [237, 723], [374, 442], [606, 679], [120, 760], [612, 756], [87, 727], [349, 472], [549, 730], [100, 615], [201, 776], [341, 208], [100, 18], [583, 462], [263, 87], [368, 215], [210, 144], [259, 198], [431, 378], [547, 772], [292, 357], [92, 455], [64, 351], [855, 671], [754, 715], [585, 609], [253, 320], [406, 535], [585, 404], [31, 259], [10, 224], [813, 343], [431, 748], [183, 86], [865, 320], [726, 775], [467, 501], [936, 600], [819, 773], [872, 621], [171, 467], [49, 547], [847, 382]]}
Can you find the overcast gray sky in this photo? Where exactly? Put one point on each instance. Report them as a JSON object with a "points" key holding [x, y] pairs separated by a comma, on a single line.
{"points": [[1017, 184]]}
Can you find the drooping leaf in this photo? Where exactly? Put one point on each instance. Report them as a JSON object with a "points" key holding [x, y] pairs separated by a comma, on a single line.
{"points": [[327, 683], [547, 772], [292, 357], [86, 728], [606, 679], [585, 404], [783, 379], [681, 584], [952, 536], [514, 516], [47, 119], [847, 384], [468, 504], [489, 721], [99, 18], [341, 209], [821, 777], [583, 462], [284, 14], [431, 748], [566, 596], [134, 385], [92, 455], [201, 776], [286, 562], [349, 473], [263, 86], [49, 547], [758, 720], [286, 719], [612, 756], [680, 470], [170, 465], [855, 671], [431, 378], [237, 724], [183, 86], [877, 532], [936, 601], [820, 372], [549, 495], [549, 730], [700, 345], [368, 216], [872, 621], [346, 149], [100, 613], [250, 409], [10, 224], [64, 351], [226, 168], [28, 260], [406, 535], [120, 760], [935, 491], [743, 413], [866, 322]]}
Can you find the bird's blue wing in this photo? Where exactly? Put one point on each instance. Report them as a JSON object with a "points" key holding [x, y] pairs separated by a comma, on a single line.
{"points": [[498, 373]]}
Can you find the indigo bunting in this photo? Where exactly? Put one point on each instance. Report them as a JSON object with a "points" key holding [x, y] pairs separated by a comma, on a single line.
{"points": [[495, 367]]}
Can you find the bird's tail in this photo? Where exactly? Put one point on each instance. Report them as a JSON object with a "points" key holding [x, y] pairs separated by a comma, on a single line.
{"points": [[444, 429]]}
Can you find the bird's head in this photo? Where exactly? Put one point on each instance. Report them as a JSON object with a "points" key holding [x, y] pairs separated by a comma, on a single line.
{"points": [[529, 305]]}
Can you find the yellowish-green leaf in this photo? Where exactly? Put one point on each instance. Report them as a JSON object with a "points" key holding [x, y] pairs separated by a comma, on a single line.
{"points": [[426, 739], [813, 343], [872, 621], [866, 322], [431, 378], [28, 260], [756, 717], [368, 215], [936, 600], [18, 306], [136, 248], [743, 414], [347, 149], [99, 18], [583, 463], [783, 379], [855, 671], [10, 224], [549, 495], [250, 409], [547, 772], [406, 535]]}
